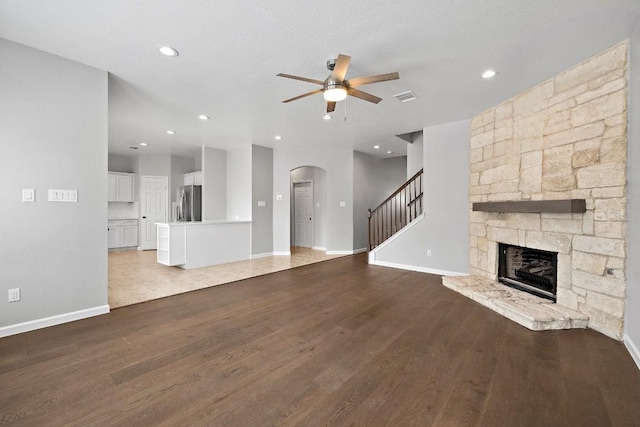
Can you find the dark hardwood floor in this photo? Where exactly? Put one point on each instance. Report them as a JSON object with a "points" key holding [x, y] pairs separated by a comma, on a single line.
{"points": [[334, 343]]}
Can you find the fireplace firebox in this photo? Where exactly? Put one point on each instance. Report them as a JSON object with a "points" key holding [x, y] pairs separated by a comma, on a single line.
{"points": [[530, 270]]}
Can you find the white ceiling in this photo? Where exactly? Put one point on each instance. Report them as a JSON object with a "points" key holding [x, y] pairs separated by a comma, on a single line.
{"points": [[231, 51]]}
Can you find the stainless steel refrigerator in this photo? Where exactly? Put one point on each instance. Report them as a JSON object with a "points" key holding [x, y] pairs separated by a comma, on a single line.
{"points": [[189, 200]]}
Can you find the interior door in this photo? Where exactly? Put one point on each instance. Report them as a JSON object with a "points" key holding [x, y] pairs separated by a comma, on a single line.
{"points": [[153, 208], [303, 204]]}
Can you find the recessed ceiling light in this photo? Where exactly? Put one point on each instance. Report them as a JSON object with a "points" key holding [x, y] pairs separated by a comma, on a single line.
{"points": [[168, 51], [143, 144], [389, 152], [171, 132], [278, 137], [377, 147], [327, 117], [203, 117], [489, 74]]}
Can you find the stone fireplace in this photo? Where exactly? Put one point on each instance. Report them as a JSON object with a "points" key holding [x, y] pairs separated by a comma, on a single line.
{"points": [[563, 140]]}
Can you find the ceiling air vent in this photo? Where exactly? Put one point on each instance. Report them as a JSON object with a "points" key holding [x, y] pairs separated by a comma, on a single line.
{"points": [[133, 147], [406, 96]]}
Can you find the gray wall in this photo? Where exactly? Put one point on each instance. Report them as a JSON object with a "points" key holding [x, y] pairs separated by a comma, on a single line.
{"points": [[415, 154], [214, 184], [239, 183], [338, 163], [53, 134], [373, 181], [119, 163], [632, 317], [262, 190], [445, 227]]}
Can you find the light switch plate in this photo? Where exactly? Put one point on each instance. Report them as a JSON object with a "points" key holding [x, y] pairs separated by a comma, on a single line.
{"points": [[278, 196], [29, 195], [343, 204], [68, 196], [262, 203]]}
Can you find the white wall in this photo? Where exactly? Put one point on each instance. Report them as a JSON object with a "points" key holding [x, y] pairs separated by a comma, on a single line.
{"points": [[214, 184], [445, 227], [239, 183], [53, 134], [415, 154], [262, 190], [632, 315], [339, 166]]}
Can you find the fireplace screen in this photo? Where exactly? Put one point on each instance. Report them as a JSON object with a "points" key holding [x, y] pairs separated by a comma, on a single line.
{"points": [[530, 270]]}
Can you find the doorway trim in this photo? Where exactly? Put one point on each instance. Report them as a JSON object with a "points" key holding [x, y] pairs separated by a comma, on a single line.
{"points": [[293, 211], [141, 205]]}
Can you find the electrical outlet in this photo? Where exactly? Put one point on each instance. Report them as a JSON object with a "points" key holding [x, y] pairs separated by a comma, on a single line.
{"points": [[14, 295], [428, 252]]}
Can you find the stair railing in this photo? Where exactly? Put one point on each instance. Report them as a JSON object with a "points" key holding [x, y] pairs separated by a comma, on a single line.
{"points": [[398, 210]]}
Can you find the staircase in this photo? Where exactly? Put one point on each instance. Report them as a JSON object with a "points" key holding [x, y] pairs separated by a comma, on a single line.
{"points": [[398, 210]]}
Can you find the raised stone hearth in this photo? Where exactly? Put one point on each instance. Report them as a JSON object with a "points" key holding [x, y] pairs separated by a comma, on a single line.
{"points": [[530, 311]]}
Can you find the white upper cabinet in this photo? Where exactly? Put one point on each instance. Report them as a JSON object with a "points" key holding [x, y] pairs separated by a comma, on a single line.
{"points": [[121, 187], [193, 178]]}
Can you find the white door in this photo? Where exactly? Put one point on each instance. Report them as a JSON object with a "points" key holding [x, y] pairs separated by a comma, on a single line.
{"points": [[302, 208], [153, 208]]}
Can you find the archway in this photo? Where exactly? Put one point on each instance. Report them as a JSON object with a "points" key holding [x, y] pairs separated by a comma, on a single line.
{"points": [[308, 208]]}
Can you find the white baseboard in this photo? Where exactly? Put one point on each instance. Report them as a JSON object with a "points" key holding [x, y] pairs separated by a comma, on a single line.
{"points": [[633, 349], [318, 248], [264, 255], [359, 251], [339, 252], [32, 325], [286, 253], [417, 268]]}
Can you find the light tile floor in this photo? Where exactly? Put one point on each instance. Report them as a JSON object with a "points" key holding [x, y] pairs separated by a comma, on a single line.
{"points": [[135, 276]]}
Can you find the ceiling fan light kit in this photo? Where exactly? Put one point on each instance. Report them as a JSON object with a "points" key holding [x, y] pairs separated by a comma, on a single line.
{"points": [[335, 88], [334, 93]]}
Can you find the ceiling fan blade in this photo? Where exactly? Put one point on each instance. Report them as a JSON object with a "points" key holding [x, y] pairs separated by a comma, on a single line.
{"points": [[331, 107], [359, 81], [304, 79], [313, 92], [363, 95], [340, 69]]}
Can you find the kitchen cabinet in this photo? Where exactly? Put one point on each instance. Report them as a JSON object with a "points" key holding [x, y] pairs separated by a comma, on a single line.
{"points": [[193, 178], [122, 233], [171, 244], [120, 187]]}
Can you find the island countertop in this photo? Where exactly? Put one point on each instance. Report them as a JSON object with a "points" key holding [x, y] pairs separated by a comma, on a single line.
{"points": [[215, 222]]}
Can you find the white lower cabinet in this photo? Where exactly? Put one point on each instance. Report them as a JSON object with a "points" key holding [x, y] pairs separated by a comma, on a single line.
{"points": [[122, 233], [171, 244]]}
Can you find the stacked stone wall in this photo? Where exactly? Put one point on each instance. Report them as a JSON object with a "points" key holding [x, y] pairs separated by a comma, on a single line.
{"points": [[563, 139]]}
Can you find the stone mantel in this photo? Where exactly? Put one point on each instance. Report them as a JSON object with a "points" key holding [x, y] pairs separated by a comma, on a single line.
{"points": [[533, 206]]}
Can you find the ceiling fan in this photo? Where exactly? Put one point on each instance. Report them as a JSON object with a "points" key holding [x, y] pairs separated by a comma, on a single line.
{"points": [[335, 88]]}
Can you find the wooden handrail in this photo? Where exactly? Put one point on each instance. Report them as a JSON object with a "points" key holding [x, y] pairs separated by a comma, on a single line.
{"points": [[398, 190]]}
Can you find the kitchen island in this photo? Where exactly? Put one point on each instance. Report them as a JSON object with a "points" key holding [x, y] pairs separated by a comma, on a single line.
{"points": [[202, 243]]}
